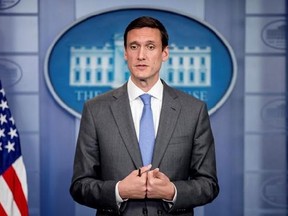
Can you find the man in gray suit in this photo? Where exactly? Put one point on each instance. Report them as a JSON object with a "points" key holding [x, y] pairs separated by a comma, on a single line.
{"points": [[110, 174]]}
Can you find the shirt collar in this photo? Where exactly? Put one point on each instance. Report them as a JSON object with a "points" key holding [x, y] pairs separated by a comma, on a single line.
{"points": [[134, 92]]}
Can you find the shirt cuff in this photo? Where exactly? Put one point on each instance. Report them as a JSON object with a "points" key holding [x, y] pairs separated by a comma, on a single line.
{"points": [[119, 200], [171, 202]]}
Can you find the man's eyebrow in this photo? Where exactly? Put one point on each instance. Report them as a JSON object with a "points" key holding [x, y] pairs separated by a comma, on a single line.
{"points": [[150, 41], [133, 43]]}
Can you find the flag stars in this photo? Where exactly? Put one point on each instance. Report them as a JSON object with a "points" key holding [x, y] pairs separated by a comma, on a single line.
{"points": [[2, 134], [10, 147], [2, 91], [12, 133], [3, 119], [1, 146], [12, 120], [4, 105]]}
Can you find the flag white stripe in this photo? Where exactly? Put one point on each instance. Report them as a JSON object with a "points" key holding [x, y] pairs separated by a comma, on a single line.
{"points": [[20, 170], [6, 199]]}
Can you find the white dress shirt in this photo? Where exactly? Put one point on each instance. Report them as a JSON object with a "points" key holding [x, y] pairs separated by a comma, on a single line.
{"points": [[136, 106], [136, 103]]}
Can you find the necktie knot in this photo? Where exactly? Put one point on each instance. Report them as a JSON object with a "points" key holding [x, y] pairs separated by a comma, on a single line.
{"points": [[146, 99]]}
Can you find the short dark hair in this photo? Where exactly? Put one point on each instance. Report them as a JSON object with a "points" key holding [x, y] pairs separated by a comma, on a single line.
{"points": [[150, 22]]}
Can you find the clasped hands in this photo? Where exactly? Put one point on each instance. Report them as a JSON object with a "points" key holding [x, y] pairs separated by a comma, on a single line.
{"points": [[151, 184]]}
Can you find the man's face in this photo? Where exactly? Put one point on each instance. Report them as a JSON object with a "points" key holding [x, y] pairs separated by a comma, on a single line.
{"points": [[144, 54]]}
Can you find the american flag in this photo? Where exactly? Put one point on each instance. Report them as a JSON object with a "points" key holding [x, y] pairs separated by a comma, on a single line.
{"points": [[13, 180]]}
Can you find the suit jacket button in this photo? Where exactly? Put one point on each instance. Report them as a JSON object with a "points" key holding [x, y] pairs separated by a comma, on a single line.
{"points": [[180, 210]]}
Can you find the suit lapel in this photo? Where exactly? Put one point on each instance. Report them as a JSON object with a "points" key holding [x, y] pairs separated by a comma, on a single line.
{"points": [[168, 119], [122, 114]]}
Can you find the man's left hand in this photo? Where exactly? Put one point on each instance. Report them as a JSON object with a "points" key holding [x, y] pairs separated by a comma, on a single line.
{"points": [[159, 186]]}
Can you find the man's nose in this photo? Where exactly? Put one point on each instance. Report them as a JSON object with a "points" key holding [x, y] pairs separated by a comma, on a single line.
{"points": [[142, 53]]}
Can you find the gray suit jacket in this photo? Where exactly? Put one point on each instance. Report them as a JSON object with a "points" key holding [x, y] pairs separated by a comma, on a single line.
{"points": [[107, 151]]}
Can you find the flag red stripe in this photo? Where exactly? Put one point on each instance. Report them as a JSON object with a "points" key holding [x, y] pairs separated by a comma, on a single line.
{"points": [[2, 211], [14, 184]]}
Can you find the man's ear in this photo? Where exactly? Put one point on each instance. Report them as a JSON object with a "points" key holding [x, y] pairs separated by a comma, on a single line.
{"points": [[125, 54], [165, 54]]}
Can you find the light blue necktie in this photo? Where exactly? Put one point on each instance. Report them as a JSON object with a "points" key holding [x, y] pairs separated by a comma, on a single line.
{"points": [[146, 133]]}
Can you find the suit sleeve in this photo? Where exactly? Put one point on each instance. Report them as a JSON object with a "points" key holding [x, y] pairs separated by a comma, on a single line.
{"points": [[202, 185], [87, 188]]}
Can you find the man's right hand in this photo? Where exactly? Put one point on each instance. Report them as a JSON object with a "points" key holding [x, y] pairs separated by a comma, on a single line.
{"points": [[133, 186]]}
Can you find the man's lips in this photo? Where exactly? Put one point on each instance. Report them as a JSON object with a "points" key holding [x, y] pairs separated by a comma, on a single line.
{"points": [[141, 66]]}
